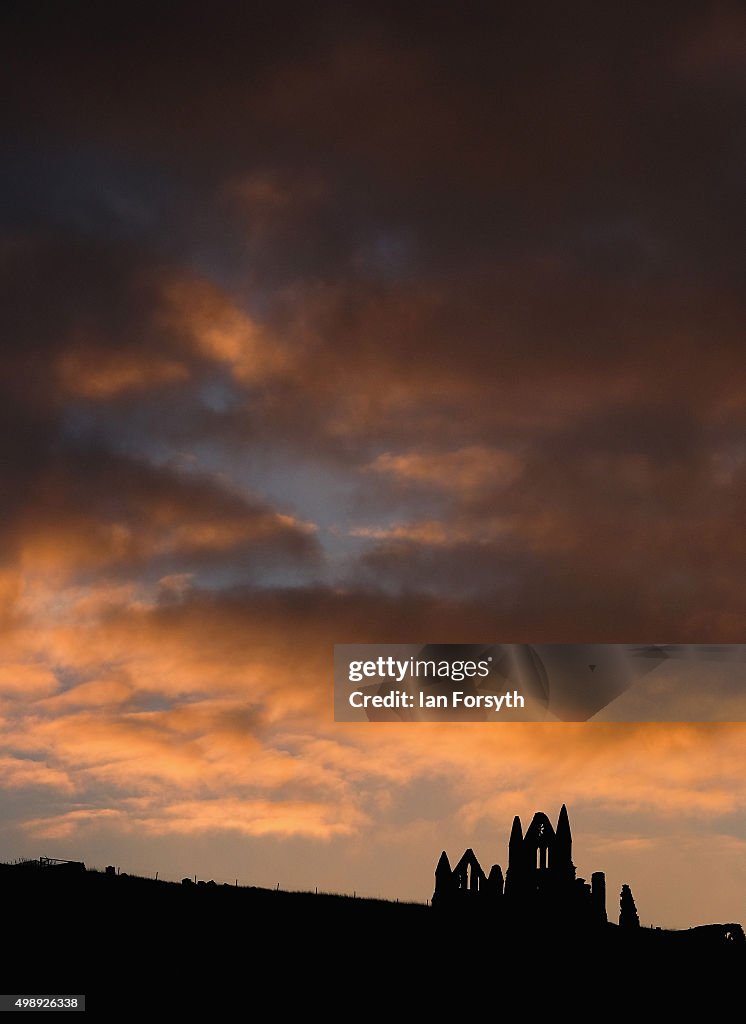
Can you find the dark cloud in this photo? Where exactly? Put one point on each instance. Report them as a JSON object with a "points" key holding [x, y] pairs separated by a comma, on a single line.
{"points": [[366, 234]]}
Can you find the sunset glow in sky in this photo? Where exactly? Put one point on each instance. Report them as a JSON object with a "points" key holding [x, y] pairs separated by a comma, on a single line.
{"points": [[326, 326]]}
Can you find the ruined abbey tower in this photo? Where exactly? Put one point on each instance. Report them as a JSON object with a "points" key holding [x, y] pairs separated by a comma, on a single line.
{"points": [[540, 883]]}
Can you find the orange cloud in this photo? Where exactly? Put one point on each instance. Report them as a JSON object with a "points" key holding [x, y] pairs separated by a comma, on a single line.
{"points": [[218, 330], [101, 375], [260, 817], [26, 680], [465, 470], [62, 826], [247, 817], [22, 773], [438, 533]]}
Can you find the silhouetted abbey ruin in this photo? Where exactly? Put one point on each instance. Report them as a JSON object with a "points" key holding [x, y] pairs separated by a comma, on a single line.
{"points": [[540, 883]]}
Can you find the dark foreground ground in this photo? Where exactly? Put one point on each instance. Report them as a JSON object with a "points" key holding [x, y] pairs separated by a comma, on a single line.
{"points": [[138, 945]]}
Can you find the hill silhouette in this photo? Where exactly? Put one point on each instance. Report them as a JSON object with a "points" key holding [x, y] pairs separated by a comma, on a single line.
{"points": [[129, 939]]}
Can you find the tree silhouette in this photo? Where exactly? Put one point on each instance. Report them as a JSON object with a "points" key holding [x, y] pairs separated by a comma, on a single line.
{"points": [[628, 917]]}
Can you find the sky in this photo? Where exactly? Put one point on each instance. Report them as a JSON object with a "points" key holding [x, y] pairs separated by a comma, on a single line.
{"points": [[353, 323]]}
